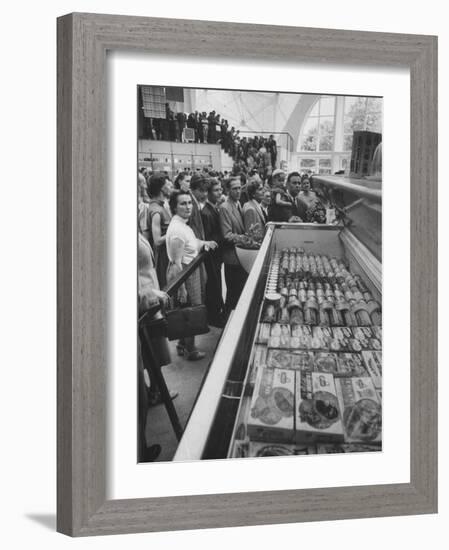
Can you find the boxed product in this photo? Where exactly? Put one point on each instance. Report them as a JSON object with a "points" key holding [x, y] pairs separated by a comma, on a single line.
{"points": [[259, 359], [282, 341], [257, 449], [271, 416], [326, 362], [321, 338], [317, 413], [361, 410], [278, 358], [263, 333], [350, 364], [304, 334], [377, 332], [240, 449], [241, 430], [363, 335], [373, 363], [341, 337], [367, 338], [335, 448], [302, 360]]}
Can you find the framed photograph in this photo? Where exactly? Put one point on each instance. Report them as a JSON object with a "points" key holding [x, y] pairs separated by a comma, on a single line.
{"points": [[272, 276]]}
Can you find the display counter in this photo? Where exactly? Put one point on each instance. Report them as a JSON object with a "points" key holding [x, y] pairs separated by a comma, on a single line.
{"points": [[329, 264]]}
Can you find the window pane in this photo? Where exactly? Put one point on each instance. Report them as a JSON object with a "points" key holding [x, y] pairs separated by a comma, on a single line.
{"points": [[374, 122], [347, 143], [326, 125], [308, 163], [314, 111], [327, 106], [310, 135], [324, 163], [349, 102], [375, 104], [326, 142]]}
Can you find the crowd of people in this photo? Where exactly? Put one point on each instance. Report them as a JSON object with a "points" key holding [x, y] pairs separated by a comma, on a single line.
{"points": [[203, 210], [248, 153]]}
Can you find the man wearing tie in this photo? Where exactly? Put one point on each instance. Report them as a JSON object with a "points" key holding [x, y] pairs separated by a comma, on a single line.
{"points": [[212, 230], [233, 229], [265, 204], [198, 192]]}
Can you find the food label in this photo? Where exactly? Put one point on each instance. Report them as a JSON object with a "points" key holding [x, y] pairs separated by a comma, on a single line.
{"points": [[373, 363], [272, 406], [362, 411], [317, 411], [350, 364], [257, 449]]}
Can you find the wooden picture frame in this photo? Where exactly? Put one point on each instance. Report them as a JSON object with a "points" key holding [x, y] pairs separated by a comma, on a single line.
{"points": [[83, 40]]}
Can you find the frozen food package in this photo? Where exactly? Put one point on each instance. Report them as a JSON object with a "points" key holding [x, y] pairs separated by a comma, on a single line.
{"points": [[321, 338], [259, 359], [361, 410], [325, 362], [278, 358], [302, 360], [350, 364], [317, 413], [257, 449], [373, 363], [337, 448], [271, 416], [263, 333]]}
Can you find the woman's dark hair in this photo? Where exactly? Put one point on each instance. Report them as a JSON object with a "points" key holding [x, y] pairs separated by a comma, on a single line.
{"points": [[173, 200], [252, 187], [178, 180], [155, 184]]}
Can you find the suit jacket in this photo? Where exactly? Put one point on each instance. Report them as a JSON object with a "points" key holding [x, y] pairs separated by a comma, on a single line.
{"points": [[211, 223], [195, 222], [252, 215], [232, 227]]}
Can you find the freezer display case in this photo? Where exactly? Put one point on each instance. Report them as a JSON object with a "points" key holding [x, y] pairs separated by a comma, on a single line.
{"points": [[298, 368]]}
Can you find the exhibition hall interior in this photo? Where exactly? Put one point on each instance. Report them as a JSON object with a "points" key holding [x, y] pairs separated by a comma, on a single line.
{"points": [[259, 267]]}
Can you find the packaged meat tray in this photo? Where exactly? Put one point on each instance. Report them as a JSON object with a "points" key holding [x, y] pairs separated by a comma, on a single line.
{"points": [[361, 410], [271, 416], [317, 412]]}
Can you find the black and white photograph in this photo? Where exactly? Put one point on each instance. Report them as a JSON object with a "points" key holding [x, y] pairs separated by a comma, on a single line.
{"points": [[259, 218]]}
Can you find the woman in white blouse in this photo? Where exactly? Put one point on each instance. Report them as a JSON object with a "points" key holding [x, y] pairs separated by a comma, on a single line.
{"points": [[182, 248]]}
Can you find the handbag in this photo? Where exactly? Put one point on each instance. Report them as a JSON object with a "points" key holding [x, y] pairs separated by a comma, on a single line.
{"points": [[186, 321]]}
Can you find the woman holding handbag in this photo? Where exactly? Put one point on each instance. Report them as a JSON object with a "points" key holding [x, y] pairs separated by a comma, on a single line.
{"points": [[182, 248]]}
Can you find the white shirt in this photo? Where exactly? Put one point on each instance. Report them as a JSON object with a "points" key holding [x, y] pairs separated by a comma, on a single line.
{"points": [[179, 230]]}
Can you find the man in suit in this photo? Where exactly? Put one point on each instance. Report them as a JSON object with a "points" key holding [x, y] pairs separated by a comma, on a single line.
{"points": [[198, 190], [212, 230], [233, 230]]}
